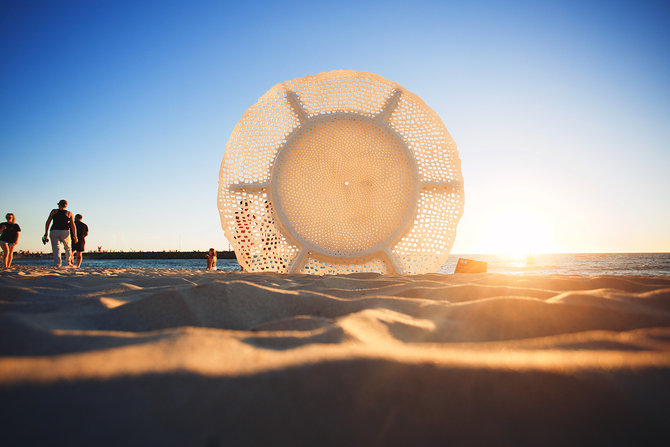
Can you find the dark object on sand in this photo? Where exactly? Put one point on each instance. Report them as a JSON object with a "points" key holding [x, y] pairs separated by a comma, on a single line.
{"points": [[470, 266]]}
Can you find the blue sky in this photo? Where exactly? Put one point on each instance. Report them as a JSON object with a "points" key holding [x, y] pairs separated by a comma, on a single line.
{"points": [[561, 110]]}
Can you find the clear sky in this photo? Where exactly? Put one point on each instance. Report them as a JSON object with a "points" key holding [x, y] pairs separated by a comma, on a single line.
{"points": [[561, 110]]}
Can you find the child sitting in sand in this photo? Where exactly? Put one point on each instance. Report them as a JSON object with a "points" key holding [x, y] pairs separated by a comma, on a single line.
{"points": [[211, 259]]}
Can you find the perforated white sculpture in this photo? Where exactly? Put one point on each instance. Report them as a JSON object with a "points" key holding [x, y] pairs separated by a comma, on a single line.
{"points": [[337, 173]]}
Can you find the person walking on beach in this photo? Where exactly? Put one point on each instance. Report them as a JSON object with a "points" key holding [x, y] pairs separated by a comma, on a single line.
{"points": [[8, 239], [211, 259], [82, 232], [63, 224]]}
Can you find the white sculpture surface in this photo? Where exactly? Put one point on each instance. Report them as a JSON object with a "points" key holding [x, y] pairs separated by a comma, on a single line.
{"points": [[340, 172]]}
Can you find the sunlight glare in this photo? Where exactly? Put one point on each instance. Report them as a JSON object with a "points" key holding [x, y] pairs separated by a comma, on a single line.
{"points": [[517, 233]]}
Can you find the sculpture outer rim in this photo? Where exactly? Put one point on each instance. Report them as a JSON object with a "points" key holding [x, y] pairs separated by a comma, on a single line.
{"points": [[456, 176]]}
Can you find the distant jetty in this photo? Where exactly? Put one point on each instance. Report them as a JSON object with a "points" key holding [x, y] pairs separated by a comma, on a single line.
{"points": [[138, 255]]}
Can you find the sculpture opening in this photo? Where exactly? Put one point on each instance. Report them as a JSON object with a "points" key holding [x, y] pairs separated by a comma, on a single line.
{"points": [[344, 185], [337, 173]]}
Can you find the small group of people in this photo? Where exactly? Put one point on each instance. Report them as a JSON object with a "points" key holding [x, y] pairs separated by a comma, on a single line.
{"points": [[61, 228], [65, 228]]}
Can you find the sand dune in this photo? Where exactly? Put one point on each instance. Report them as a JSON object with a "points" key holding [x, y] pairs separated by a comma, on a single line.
{"points": [[167, 357]]}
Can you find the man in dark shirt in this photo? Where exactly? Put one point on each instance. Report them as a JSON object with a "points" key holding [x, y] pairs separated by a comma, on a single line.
{"points": [[82, 232], [8, 239], [63, 225]]}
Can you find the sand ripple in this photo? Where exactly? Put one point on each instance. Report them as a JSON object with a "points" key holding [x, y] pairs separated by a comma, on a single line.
{"points": [[170, 357]]}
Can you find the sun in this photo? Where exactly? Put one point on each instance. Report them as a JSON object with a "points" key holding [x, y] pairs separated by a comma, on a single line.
{"points": [[517, 233]]}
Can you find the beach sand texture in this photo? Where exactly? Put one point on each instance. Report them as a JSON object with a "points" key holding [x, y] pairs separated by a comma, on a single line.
{"points": [[177, 357]]}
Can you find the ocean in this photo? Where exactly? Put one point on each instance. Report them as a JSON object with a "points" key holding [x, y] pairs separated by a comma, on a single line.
{"points": [[646, 264]]}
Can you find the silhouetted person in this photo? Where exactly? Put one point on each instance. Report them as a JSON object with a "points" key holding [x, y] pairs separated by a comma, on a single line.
{"points": [[63, 224], [8, 239], [78, 247]]}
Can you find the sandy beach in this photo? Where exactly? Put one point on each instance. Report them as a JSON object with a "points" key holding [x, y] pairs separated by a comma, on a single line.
{"points": [[175, 357]]}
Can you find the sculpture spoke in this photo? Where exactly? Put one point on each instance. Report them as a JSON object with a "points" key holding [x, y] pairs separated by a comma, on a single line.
{"points": [[445, 186], [392, 262], [295, 103], [390, 106], [298, 261], [253, 187]]}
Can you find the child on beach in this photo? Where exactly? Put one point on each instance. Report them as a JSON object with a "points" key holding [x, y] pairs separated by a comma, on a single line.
{"points": [[211, 259], [8, 239], [78, 247]]}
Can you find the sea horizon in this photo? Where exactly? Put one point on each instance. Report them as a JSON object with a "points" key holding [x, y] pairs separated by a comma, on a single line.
{"points": [[587, 264]]}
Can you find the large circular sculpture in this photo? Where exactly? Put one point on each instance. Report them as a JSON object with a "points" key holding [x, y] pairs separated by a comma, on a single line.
{"points": [[340, 172]]}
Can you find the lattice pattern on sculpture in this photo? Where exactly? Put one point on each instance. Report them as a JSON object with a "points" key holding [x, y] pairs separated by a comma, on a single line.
{"points": [[337, 173]]}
